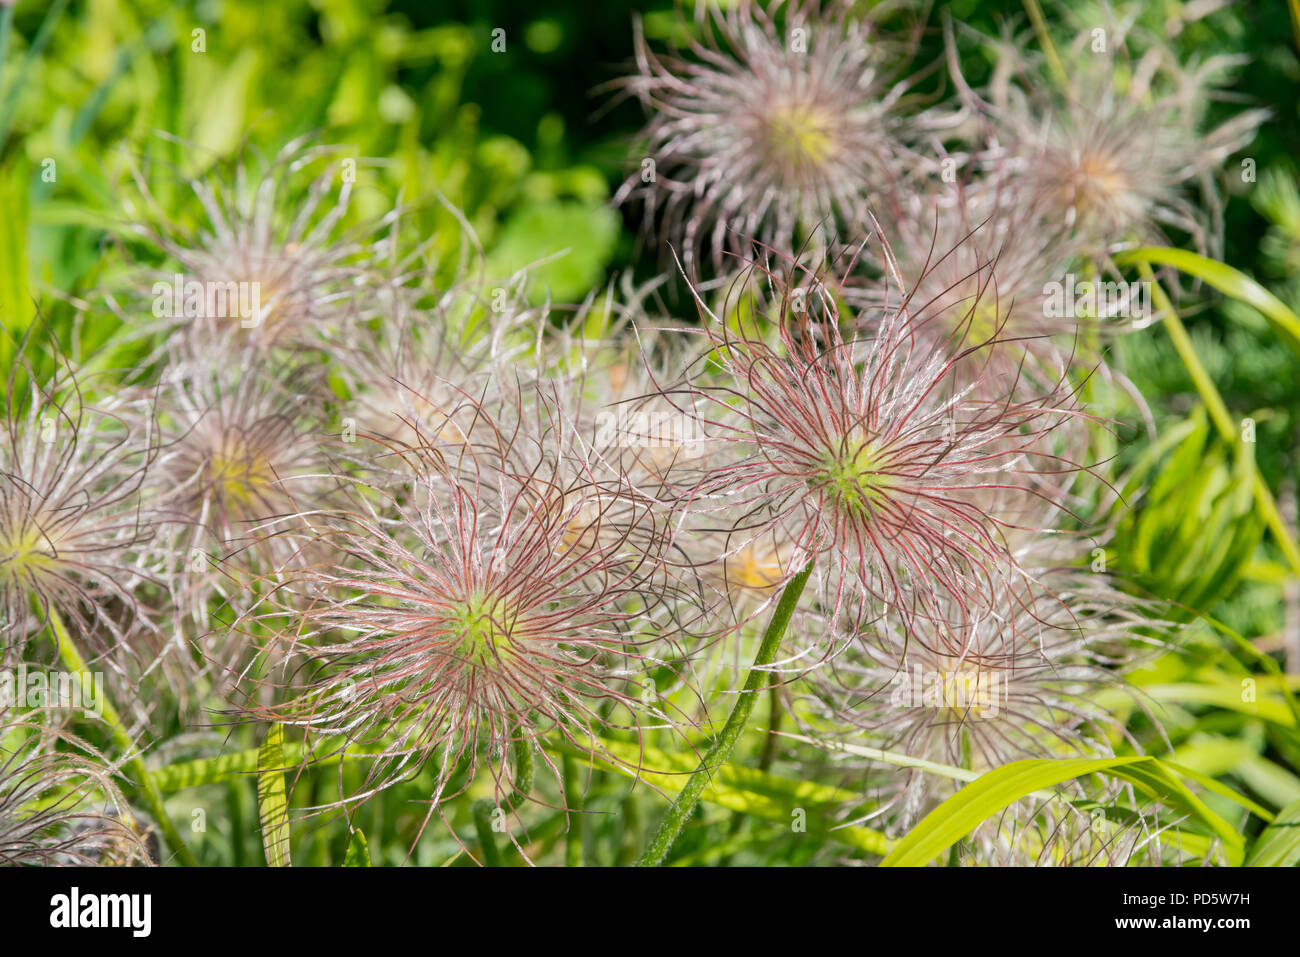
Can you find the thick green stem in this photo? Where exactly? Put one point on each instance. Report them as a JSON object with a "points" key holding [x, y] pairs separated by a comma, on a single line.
{"points": [[486, 810], [662, 841], [143, 781], [1219, 414]]}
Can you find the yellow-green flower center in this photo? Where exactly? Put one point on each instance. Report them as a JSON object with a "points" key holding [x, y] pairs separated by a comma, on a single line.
{"points": [[238, 476], [757, 567], [969, 691], [798, 136], [24, 550], [853, 477], [482, 629], [978, 320]]}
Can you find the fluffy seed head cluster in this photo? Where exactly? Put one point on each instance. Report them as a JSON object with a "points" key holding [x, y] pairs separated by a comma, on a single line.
{"points": [[422, 377], [980, 690], [243, 456], [1026, 678], [272, 263], [448, 524], [241, 452], [970, 268]]}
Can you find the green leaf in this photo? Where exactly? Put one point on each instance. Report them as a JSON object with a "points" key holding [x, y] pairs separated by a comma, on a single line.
{"points": [[1279, 845], [1272, 782], [1227, 695], [891, 757], [1188, 536], [358, 854], [218, 106], [1215, 755], [272, 799], [16, 309], [192, 774], [30, 65], [564, 247], [964, 811], [736, 788], [1228, 281]]}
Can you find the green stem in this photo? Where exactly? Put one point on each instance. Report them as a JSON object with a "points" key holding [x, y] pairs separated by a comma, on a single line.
{"points": [[485, 809], [773, 727], [765, 758], [1045, 41], [1219, 413], [631, 828], [573, 839], [235, 808], [483, 825], [144, 782], [680, 811], [1103, 439]]}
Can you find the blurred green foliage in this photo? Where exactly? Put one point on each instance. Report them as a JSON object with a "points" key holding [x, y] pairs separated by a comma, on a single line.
{"points": [[525, 142]]}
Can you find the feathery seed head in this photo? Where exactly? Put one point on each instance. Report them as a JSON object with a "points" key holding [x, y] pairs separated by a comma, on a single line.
{"points": [[59, 802], [1113, 156], [243, 460], [273, 264], [868, 452], [502, 601], [784, 120], [72, 521], [979, 691]]}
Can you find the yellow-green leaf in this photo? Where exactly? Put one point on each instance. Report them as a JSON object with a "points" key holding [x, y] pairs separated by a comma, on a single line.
{"points": [[1279, 845], [272, 799], [964, 811], [1228, 281], [745, 790], [358, 854]]}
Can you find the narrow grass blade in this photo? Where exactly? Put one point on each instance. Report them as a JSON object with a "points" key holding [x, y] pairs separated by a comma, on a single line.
{"points": [[1279, 845], [272, 799]]}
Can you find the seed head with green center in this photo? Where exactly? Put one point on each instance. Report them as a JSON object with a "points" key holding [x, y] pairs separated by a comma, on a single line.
{"points": [[498, 599], [868, 451]]}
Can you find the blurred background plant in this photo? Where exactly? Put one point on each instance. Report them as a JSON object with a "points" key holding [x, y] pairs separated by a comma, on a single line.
{"points": [[491, 109]]}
